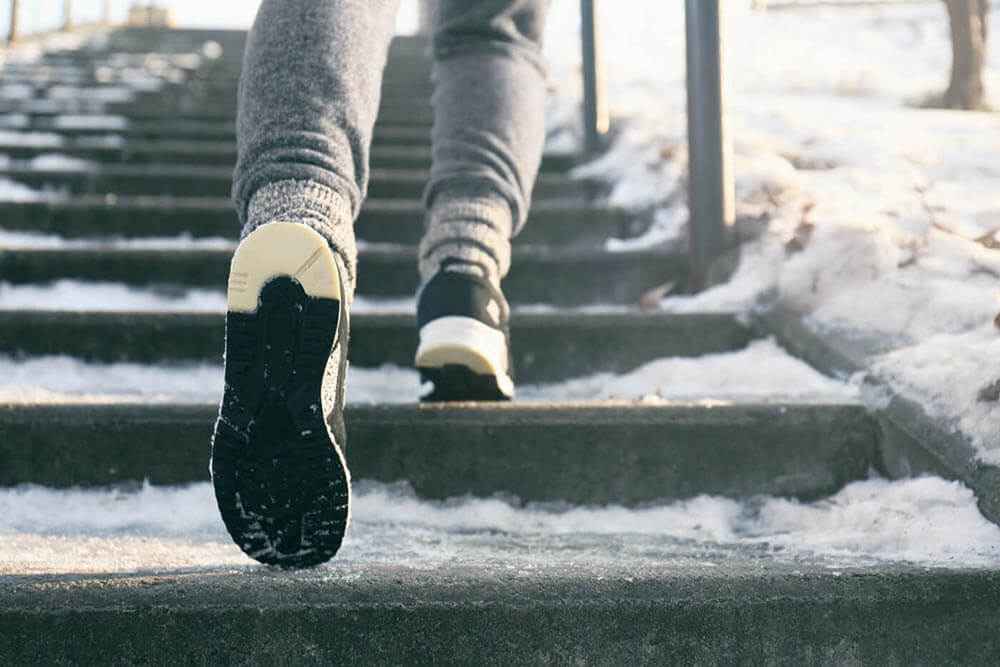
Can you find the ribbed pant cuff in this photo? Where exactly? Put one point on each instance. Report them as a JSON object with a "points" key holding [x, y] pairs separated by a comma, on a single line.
{"points": [[474, 230], [315, 205]]}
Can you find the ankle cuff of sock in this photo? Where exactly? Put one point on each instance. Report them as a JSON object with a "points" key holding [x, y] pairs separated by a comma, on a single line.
{"points": [[321, 208], [472, 229]]}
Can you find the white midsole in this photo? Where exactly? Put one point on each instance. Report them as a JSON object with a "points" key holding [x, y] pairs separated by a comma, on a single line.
{"points": [[466, 342]]}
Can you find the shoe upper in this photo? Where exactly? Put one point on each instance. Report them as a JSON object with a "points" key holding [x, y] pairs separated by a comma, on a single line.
{"points": [[464, 348], [460, 294]]}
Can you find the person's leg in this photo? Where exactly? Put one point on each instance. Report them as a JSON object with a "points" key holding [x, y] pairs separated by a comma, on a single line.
{"points": [[308, 98], [489, 130], [488, 137]]}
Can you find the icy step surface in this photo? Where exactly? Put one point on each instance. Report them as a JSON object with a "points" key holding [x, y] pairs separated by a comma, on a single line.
{"points": [[732, 376], [673, 428], [545, 346], [541, 274], [882, 573]]}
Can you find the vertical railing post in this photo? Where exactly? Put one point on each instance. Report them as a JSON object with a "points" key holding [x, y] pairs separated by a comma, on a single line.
{"points": [[67, 15], [709, 180], [595, 111], [15, 21]]}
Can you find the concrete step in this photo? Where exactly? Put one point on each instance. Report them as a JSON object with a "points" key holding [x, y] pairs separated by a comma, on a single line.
{"points": [[230, 62], [557, 276], [214, 131], [220, 153], [398, 221], [546, 347], [192, 89], [196, 106], [572, 600], [190, 181], [588, 453]]}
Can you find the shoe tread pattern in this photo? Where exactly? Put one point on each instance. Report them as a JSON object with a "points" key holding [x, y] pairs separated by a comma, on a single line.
{"points": [[280, 483]]}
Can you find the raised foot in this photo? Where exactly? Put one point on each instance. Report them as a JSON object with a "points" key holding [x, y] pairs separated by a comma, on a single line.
{"points": [[278, 469]]}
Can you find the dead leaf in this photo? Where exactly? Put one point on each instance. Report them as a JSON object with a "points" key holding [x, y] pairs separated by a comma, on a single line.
{"points": [[652, 298]]}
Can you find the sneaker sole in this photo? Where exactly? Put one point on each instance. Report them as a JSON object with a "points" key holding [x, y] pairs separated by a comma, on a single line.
{"points": [[280, 476], [465, 359]]}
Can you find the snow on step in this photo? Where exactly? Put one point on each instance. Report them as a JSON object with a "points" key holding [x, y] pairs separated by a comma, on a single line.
{"points": [[760, 372], [926, 521], [79, 296]]}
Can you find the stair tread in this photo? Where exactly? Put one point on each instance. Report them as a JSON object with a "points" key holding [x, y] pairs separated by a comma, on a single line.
{"points": [[570, 600], [546, 347], [536, 451], [565, 220], [217, 153]]}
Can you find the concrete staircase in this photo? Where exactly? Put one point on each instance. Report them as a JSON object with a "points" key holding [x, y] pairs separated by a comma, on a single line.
{"points": [[585, 600]]}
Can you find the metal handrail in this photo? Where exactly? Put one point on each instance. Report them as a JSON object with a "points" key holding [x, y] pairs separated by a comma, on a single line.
{"points": [[596, 122], [710, 182]]}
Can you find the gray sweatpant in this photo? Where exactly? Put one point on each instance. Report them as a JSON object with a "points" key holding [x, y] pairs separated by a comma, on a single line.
{"points": [[309, 95]]}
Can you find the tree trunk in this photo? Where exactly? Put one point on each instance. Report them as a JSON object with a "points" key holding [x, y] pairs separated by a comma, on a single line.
{"points": [[15, 20], [968, 47]]}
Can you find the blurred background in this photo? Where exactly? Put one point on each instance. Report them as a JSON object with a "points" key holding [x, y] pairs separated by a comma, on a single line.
{"points": [[39, 15]]}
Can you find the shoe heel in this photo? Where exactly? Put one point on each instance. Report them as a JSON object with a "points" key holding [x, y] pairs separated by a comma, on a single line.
{"points": [[465, 358]]}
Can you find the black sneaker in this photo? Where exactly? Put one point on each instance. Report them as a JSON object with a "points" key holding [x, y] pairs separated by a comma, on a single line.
{"points": [[464, 349], [278, 464]]}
